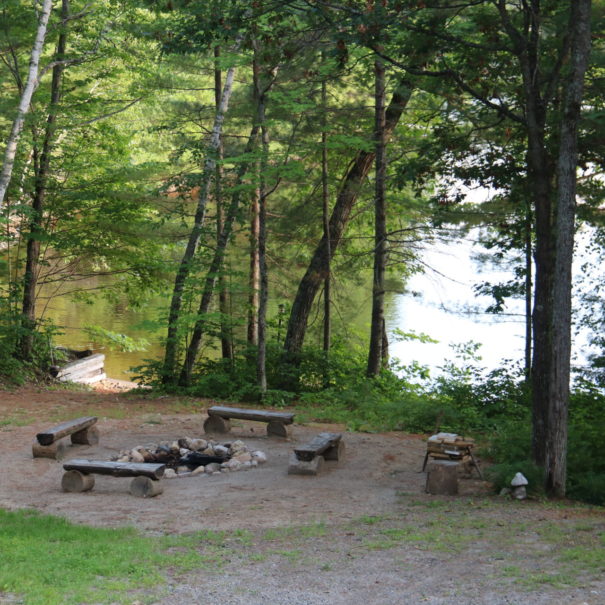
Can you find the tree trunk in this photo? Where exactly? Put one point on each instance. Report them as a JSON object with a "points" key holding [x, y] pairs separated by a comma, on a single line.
{"points": [[261, 360], [319, 266], [254, 273], [172, 338], [30, 86], [219, 253], [32, 268], [325, 194], [214, 270], [254, 270], [556, 444], [380, 228], [528, 289], [226, 337]]}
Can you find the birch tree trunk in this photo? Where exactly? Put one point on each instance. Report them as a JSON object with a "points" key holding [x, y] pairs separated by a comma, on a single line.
{"points": [[30, 87], [32, 264], [172, 338], [219, 253]]}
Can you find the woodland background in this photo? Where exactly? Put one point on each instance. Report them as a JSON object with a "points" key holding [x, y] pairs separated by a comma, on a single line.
{"points": [[261, 163]]}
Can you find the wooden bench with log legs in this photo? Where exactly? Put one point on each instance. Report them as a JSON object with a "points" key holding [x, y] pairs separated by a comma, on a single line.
{"points": [[48, 444], [219, 417], [78, 476], [308, 459]]}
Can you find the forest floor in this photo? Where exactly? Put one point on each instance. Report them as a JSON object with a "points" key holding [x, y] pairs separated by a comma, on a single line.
{"points": [[362, 532]]}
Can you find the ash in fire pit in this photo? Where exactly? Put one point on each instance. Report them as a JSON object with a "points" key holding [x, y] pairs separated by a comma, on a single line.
{"points": [[188, 456]]}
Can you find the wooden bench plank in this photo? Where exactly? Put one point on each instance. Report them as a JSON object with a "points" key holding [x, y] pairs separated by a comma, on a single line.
{"points": [[318, 445], [116, 469], [258, 415], [65, 428]]}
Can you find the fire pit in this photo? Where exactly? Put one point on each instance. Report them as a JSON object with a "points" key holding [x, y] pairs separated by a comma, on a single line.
{"points": [[186, 456]]}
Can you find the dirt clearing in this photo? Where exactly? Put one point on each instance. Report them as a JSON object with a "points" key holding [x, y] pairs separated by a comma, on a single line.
{"points": [[362, 531]]}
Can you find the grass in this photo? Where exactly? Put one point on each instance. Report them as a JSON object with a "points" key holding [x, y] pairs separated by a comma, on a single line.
{"points": [[47, 560], [14, 421]]}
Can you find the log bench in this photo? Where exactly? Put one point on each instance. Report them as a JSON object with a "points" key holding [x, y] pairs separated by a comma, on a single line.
{"points": [[49, 444], [308, 459], [219, 417], [78, 476]]}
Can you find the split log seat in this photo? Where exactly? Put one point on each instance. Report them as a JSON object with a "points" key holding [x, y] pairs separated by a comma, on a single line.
{"points": [[308, 459], [49, 444], [78, 476], [219, 417]]}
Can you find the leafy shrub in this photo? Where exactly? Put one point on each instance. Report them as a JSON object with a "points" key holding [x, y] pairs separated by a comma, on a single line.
{"points": [[14, 370]]}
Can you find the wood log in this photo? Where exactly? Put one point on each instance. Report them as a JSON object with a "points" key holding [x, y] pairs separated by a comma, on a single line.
{"points": [[336, 452], [116, 469], [442, 478], [144, 487], [318, 445], [258, 415], [276, 428], [439, 456], [56, 450], [75, 481], [216, 424], [304, 467], [89, 436], [65, 428]]}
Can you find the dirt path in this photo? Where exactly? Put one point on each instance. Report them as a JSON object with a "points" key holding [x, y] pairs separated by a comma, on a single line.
{"points": [[369, 506]]}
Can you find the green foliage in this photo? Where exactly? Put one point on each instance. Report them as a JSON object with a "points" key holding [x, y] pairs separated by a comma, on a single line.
{"points": [[510, 447], [14, 370], [586, 469], [115, 341]]}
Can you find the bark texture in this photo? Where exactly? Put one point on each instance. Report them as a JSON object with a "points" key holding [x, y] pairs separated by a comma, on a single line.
{"points": [[31, 84], [375, 353], [32, 262], [556, 444], [226, 336]]}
